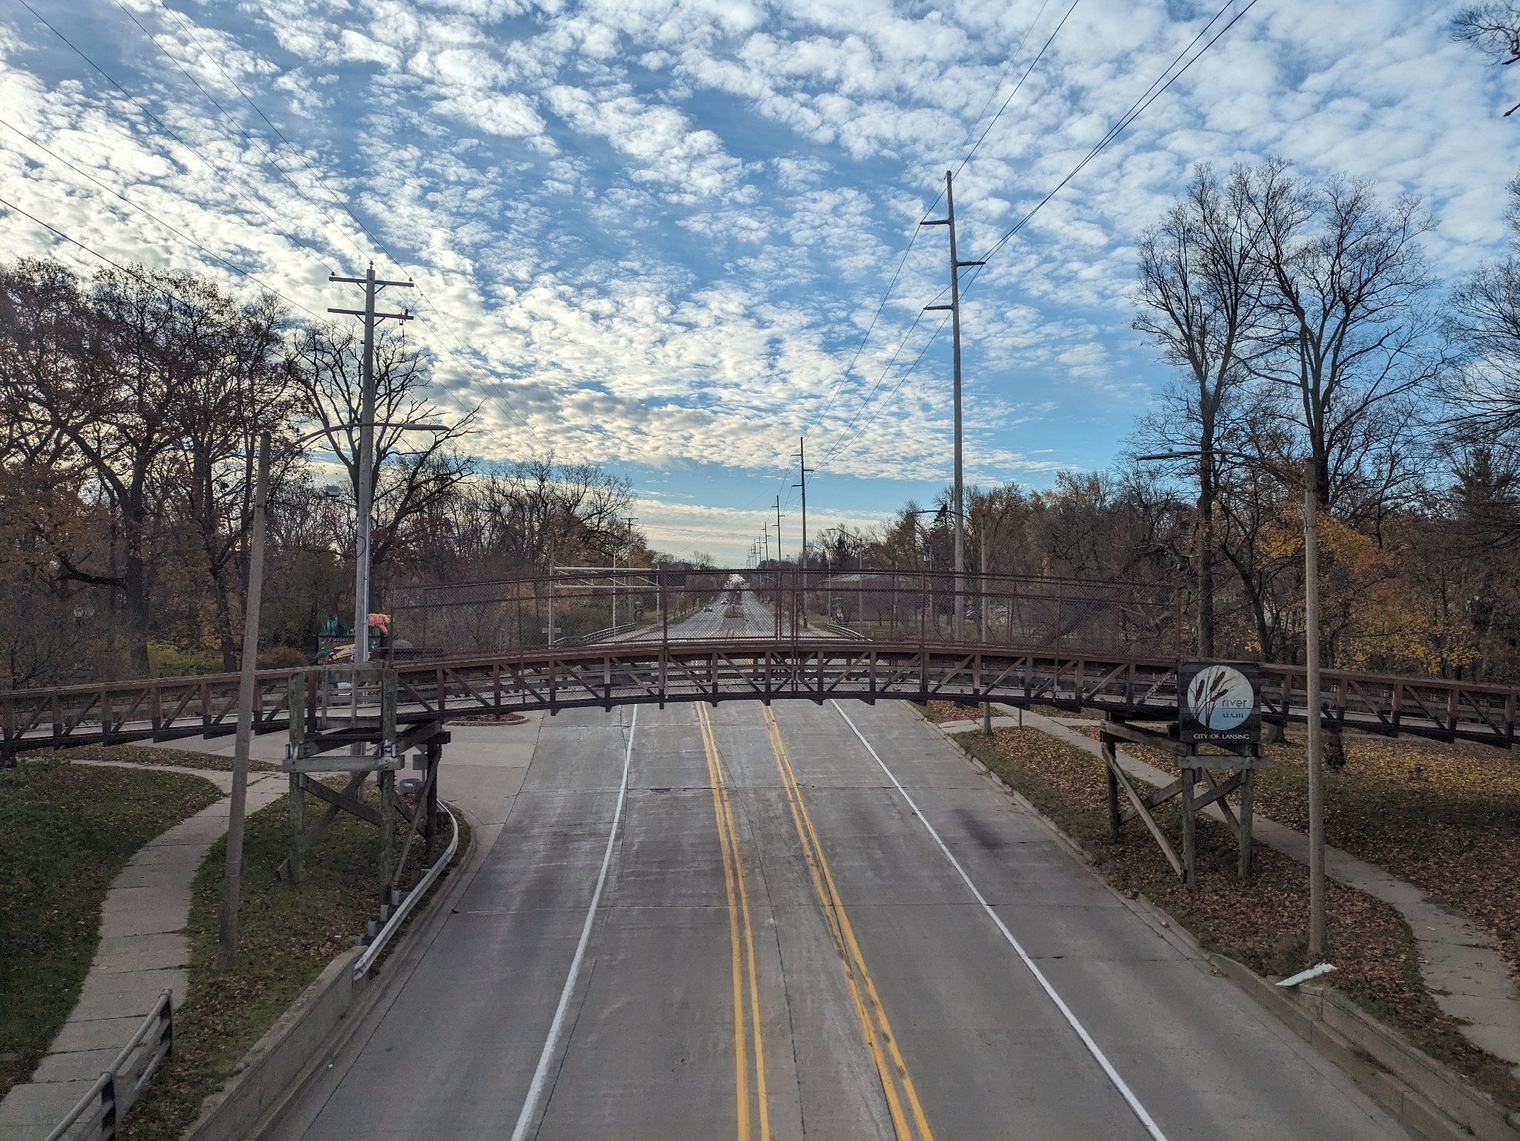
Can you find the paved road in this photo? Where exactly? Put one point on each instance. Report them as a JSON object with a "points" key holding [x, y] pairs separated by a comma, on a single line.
{"points": [[782, 948], [722, 619]]}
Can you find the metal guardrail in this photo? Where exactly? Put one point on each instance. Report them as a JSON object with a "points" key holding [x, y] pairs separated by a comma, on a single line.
{"points": [[106, 1104], [363, 963]]}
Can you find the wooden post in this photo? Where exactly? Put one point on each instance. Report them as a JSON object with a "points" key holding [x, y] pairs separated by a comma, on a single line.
{"points": [[1189, 855], [387, 833], [1110, 760], [1247, 788], [430, 802], [297, 828]]}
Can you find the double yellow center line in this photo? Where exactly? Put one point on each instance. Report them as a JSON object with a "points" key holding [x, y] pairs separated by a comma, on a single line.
{"points": [[908, 1121], [741, 940]]}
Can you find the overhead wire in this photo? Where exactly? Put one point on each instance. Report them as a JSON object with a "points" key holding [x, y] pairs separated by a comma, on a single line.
{"points": [[1157, 88], [131, 271], [506, 403], [1017, 87], [233, 266], [1135, 110], [324, 207], [168, 130], [318, 178], [902, 262]]}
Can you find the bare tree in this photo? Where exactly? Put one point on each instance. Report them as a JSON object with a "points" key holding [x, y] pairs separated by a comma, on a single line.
{"points": [[1354, 342], [1494, 29], [411, 482], [1202, 279]]}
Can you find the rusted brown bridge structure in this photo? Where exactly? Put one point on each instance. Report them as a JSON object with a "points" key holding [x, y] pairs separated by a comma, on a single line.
{"points": [[847, 635]]}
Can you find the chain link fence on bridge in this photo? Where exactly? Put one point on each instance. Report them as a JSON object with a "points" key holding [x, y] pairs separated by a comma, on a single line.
{"points": [[586, 605]]}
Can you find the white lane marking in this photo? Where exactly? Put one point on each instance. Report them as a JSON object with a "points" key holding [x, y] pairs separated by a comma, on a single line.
{"points": [[1092, 1047], [551, 1043]]}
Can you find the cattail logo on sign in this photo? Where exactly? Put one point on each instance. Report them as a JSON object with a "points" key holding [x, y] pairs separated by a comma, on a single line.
{"points": [[1219, 703], [1220, 697]]}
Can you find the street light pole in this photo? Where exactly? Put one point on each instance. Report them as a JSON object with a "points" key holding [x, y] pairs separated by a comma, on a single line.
{"points": [[1318, 919], [232, 881], [1318, 922]]}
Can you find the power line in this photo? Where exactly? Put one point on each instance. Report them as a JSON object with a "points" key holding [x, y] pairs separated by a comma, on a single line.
{"points": [[1136, 109], [1157, 88], [225, 114], [137, 101], [1032, 63], [848, 443], [136, 274], [316, 175], [159, 122], [1028, 70], [166, 225]]}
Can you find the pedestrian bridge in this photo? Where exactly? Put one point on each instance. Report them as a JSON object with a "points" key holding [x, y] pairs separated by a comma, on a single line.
{"points": [[880, 641]]}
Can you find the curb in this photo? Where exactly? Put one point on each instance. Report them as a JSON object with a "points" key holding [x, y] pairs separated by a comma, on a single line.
{"points": [[384, 979], [1419, 1092], [318, 1022]]}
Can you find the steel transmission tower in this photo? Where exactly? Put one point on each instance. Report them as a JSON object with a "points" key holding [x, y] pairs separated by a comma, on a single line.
{"points": [[959, 508], [365, 493]]}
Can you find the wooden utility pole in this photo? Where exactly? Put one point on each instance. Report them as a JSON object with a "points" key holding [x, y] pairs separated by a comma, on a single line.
{"points": [[365, 492], [232, 880], [956, 265]]}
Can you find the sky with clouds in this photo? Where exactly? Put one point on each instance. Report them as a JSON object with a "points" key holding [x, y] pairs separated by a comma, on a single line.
{"points": [[656, 235]]}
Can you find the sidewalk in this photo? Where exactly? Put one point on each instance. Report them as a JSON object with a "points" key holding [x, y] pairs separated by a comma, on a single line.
{"points": [[1458, 962], [144, 950]]}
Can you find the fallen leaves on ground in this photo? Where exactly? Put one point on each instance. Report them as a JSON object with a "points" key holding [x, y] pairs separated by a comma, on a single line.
{"points": [[1445, 817], [1262, 923]]}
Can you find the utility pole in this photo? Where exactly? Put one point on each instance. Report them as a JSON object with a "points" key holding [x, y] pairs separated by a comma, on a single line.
{"points": [[1318, 925], [366, 489], [803, 469], [629, 563], [767, 525], [778, 528], [232, 883], [956, 265]]}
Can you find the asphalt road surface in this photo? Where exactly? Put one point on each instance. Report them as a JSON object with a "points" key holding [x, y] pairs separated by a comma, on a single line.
{"points": [[747, 616], [710, 924]]}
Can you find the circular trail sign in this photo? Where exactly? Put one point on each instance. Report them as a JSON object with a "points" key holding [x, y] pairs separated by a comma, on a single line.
{"points": [[1219, 703], [1220, 697]]}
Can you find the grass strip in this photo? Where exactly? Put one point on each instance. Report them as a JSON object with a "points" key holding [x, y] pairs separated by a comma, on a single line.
{"points": [[151, 755], [67, 831], [287, 935], [1262, 923]]}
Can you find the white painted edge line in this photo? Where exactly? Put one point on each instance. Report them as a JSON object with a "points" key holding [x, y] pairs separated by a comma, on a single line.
{"points": [[1092, 1047], [551, 1043]]}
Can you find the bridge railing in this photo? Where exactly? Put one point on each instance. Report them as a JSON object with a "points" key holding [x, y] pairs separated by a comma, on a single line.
{"points": [[816, 666]]}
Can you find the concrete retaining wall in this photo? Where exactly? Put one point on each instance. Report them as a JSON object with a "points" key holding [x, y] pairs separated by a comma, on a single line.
{"points": [[1424, 1095], [273, 1068]]}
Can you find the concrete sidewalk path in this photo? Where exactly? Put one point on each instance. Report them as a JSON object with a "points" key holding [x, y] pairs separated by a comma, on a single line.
{"points": [[1461, 966], [144, 950]]}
